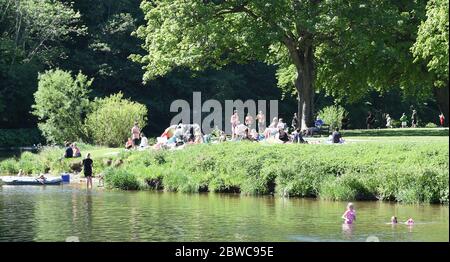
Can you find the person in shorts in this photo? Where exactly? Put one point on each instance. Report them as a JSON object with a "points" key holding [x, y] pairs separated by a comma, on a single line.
{"points": [[136, 135]]}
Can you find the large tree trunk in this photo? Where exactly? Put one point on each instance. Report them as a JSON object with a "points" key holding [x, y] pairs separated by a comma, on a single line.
{"points": [[442, 97], [302, 55], [305, 88]]}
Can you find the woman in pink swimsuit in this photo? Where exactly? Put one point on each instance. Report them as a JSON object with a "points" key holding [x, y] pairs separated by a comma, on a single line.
{"points": [[350, 214]]}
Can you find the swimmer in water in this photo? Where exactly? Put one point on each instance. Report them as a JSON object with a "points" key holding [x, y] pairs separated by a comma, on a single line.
{"points": [[350, 214], [409, 222], [394, 220]]}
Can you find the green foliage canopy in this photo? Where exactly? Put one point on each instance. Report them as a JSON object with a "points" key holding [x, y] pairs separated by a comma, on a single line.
{"points": [[112, 118], [61, 102], [432, 41]]}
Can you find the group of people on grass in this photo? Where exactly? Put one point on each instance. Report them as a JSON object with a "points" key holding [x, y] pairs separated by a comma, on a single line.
{"points": [[71, 150], [137, 139], [278, 131]]}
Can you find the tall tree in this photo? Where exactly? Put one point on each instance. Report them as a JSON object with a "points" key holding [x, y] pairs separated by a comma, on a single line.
{"points": [[432, 47], [295, 35], [32, 33]]}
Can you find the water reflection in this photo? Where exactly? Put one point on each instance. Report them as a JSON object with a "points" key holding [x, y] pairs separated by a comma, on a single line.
{"points": [[347, 230], [55, 213]]}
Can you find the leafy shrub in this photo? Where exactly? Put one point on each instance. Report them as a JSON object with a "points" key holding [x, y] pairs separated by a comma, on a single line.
{"points": [[431, 125], [9, 166], [60, 104], [112, 118], [396, 123], [121, 179], [333, 115]]}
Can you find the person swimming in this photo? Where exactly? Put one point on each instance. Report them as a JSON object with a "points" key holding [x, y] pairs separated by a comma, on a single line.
{"points": [[394, 220], [409, 222], [350, 214]]}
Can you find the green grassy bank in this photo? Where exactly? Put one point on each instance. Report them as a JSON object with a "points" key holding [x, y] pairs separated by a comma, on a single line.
{"points": [[406, 169]]}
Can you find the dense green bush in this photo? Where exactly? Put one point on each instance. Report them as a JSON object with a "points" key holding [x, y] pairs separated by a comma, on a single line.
{"points": [[431, 125], [121, 178], [401, 171], [60, 103], [20, 137], [333, 115], [405, 172], [112, 118]]}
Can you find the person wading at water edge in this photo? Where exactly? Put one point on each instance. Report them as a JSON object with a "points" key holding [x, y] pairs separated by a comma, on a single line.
{"points": [[87, 169], [135, 135]]}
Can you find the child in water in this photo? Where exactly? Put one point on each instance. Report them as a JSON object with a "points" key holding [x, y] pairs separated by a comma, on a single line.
{"points": [[350, 214], [409, 222], [394, 220]]}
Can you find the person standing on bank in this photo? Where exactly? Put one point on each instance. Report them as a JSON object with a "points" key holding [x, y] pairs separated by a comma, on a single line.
{"points": [[370, 121], [234, 121], [261, 122], [87, 169], [135, 135], [294, 123], [442, 119], [414, 119]]}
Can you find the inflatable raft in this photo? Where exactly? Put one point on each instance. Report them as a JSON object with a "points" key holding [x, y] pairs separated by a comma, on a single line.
{"points": [[30, 181]]}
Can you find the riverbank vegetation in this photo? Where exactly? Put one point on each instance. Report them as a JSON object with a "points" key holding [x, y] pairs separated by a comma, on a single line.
{"points": [[407, 169]]}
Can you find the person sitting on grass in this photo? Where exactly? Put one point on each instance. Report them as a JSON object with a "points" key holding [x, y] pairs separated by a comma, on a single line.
{"points": [[41, 178], [297, 136], [144, 141], [222, 136], [283, 136], [336, 137], [76, 150], [68, 153], [281, 124], [129, 144], [254, 135]]}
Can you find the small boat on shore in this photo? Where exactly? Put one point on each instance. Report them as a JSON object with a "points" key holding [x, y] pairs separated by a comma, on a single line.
{"points": [[30, 181]]}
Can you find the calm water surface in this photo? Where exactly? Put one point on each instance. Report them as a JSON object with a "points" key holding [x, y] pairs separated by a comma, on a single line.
{"points": [[54, 213]]}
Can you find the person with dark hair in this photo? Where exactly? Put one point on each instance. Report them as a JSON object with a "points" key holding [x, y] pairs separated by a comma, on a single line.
{"points": [[87, 169], [69, 151], [336, 136], [414, 119], [295, 122], [297, 136], [442, 119], [370, 120], [283, 135]]}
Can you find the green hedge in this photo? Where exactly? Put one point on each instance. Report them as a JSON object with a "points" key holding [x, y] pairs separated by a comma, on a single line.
{"points": [[20, 137], [405, 171]]}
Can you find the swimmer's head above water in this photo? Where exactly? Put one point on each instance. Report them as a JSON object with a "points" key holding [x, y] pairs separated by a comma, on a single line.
{"points": [[410, 221], [394, 220]]}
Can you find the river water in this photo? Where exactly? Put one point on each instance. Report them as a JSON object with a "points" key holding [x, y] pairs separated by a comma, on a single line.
{"points": [[54, 213]]}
